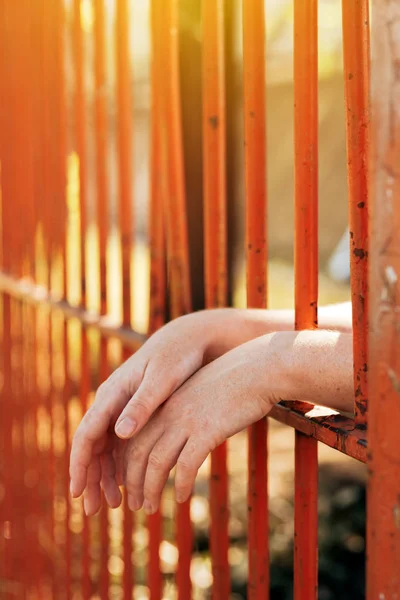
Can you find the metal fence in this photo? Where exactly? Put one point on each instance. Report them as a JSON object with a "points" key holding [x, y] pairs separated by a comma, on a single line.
{"points": [[56, 348]]}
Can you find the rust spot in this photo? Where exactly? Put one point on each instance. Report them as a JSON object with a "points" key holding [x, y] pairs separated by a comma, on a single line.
{"points": [[214, 121], [350, 75], [258, 251], [396, 516], [360, 253], [394, 380], [361, 407], [252, 114], [249, 246], [361, 204], [351, 235], [358, 391]]}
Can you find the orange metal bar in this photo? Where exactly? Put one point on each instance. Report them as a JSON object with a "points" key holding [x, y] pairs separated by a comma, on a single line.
{"points": [[356, 76], [157, 302], [102, 223], [306, 279], [61, 216], [215, 260], [125, 182], [177, 239], [256, 249], [81, 148], [7, 532], [383, 503]]}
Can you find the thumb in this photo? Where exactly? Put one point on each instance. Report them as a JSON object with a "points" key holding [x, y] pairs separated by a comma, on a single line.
{"points": [[157, 385]]}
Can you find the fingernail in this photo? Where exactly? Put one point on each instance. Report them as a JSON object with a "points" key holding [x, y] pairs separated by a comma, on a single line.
{"points": [[126, 427], [148, 509], [85, 507], [134, 504], [71, 490]]}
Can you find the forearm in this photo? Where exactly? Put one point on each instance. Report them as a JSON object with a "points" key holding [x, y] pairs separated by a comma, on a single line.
{"points": [[312, 366], [231, 327]]}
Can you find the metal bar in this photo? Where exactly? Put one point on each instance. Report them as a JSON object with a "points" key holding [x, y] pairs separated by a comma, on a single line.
{"points": [[101, 131], [329, 428], [356, 77], [215, 259], [40, 296], [257, 256], [81, 148], [61, 243], [383, 502], [157, 300], [306, 280], [125, 184], [177, 240]]}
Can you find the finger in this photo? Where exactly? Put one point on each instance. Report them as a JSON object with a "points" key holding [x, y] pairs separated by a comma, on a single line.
{"points": [[189, 462], [92, 493], [135, 462], [161, 460], [109, 484], [161, 378], [110, 398]]}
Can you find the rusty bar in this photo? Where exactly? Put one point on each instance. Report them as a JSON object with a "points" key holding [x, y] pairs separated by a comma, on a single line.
{"points": [[177, 238], [306, 280], [101, 129], [125, 185], [329, 428], [215, 256], [257, 256], [356, 77], [81, 149], [383, 502], [157, 301]]}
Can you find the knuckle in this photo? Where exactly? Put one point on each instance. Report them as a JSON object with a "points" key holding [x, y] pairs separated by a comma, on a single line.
{"points": [[156, 461], [185, 464]]}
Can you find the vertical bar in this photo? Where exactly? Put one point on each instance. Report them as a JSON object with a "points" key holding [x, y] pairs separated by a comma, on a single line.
{"points": [[157, 301], [306, 279], [177, 240], [124, 110], [215, 260], [383, 503], [356, 76], [257, 256], [81, 148], [102, 223], [61, 204]]}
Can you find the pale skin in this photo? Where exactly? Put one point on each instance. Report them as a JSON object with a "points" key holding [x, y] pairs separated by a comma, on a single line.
{"points": [[196, 382]]}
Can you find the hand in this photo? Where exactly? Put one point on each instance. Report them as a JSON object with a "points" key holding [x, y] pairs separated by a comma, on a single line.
{"points": [[220, 400], [137, 388]]}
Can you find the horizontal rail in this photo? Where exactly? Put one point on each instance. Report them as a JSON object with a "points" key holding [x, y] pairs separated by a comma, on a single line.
{"points": [[325, 425], [24, 289]]}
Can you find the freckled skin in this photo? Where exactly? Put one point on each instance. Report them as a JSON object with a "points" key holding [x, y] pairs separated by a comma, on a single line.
{"points": [[196, 382]]}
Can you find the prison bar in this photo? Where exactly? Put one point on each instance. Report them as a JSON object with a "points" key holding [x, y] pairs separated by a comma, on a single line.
{"points": [[124, 146], [383, 503], [256, 275], [356, 77], [306, 280], [80, 142], [157, 300], [215, 256], [177, 236]]}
